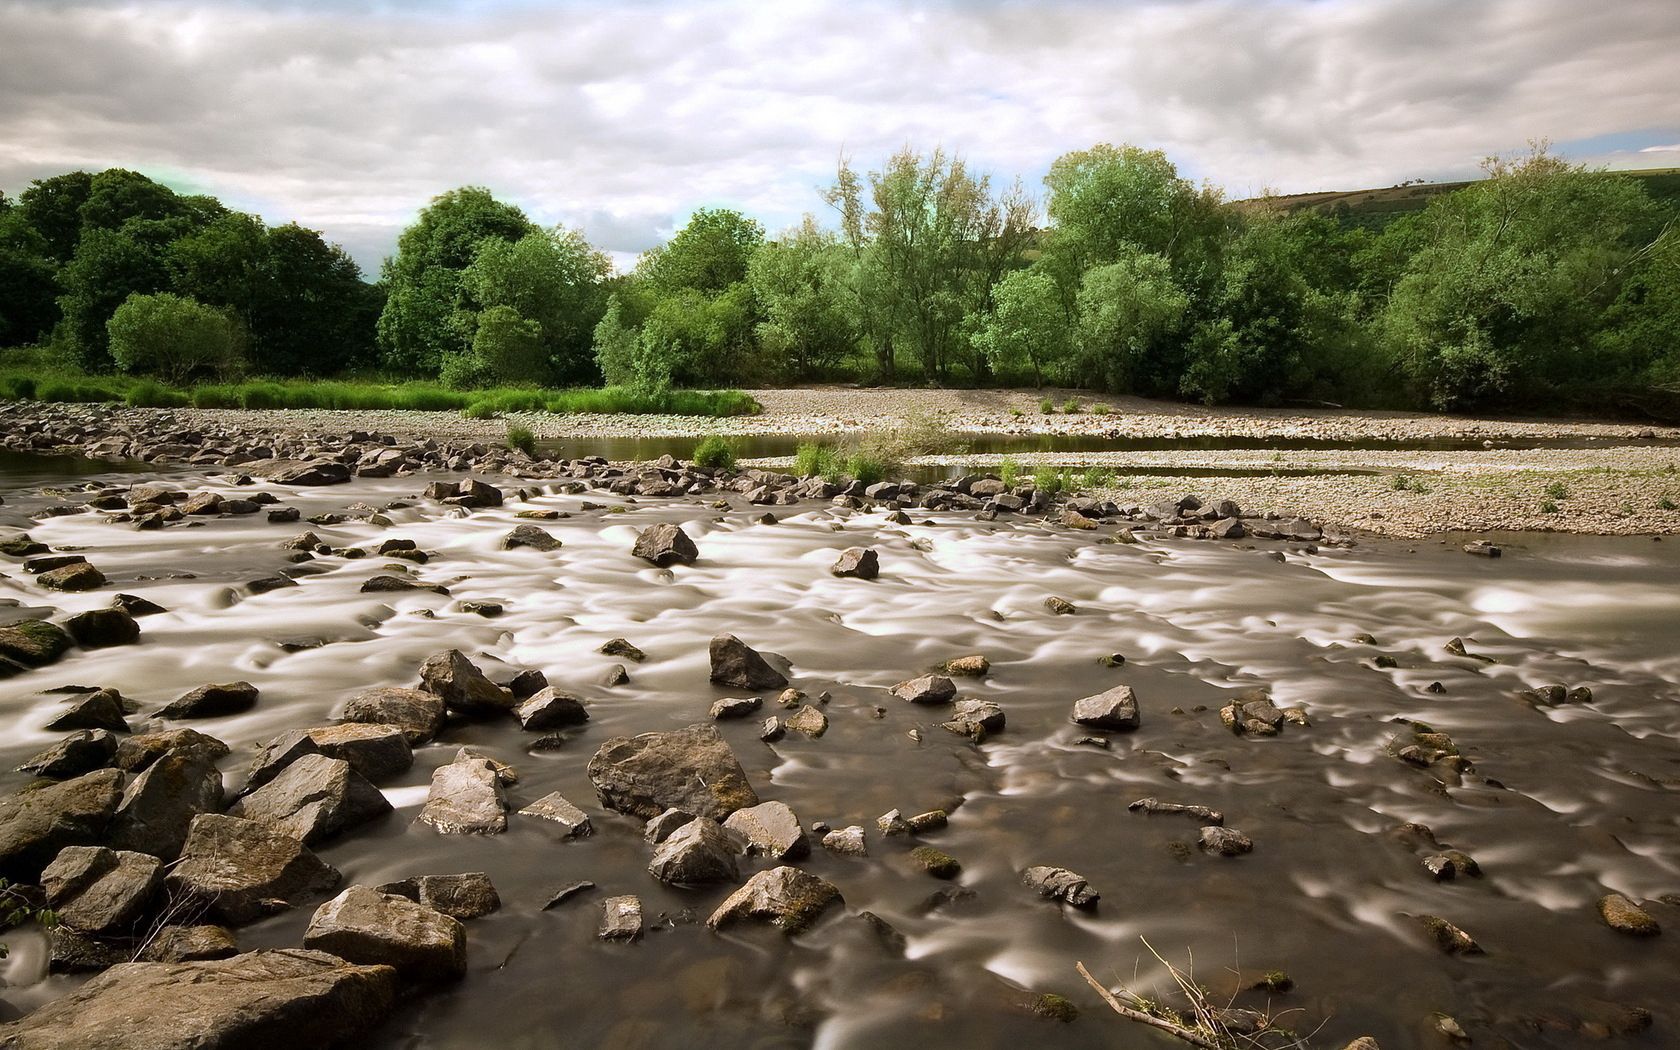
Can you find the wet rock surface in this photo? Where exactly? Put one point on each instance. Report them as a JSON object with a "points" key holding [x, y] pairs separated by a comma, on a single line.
{"points": [[690, 769]]}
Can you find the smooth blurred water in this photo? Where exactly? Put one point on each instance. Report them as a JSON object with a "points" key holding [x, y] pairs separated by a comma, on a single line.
{"points": [[1566, 804]]}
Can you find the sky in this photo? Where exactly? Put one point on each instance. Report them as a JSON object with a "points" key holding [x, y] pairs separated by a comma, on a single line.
{"points": [[621, 118]]}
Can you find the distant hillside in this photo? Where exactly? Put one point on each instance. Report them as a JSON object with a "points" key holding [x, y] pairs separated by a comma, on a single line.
{"points": [[1375, 209]]}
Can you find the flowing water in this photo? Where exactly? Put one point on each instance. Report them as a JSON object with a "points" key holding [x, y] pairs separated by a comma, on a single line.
{"points": [[1564, 805]]}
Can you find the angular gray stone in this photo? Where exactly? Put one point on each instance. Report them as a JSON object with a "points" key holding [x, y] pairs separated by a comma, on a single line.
{"points": [[1227, 842], [103, 628], [735, 707], [928, 689], [739, 666], [314, 798], [808, 720], [1115, 708], [33, 643], [79, 576], [786, 897], [661, 827], [699, 851], [551, 708], [98, 890], [859, 562], [242, 871], [418, 713], [213, 701], [35, 825], [362, 925], [531, 536], [976, 719], [95, 709], [665, 545], [848, 841], [76, 754], [189, 943], [262, 1000], [159, 806], [138, 752], [466, 798], [462, 685], [554, 807], [1060, 884], [469, 895], [690, 769], [621, 918], [771, 830]]}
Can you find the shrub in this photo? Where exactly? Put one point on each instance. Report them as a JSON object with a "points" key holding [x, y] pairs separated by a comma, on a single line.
{"points": [[479, 410], [170, 336], [715, 453], [508, 348], [1047, 406], [1556, 490], [149, 393], [1100, 409], [1096, 478], [1009, 471], [1548, 507], [1665, 504], [814, 460], [1071, 406], [867, 467], [17, 387], [520, 437], [1048, 480]]}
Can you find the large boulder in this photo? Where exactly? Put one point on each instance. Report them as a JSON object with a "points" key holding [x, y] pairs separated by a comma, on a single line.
{"points": [[262, 1000], [94, 709], [551, 708], [76, 754], [311, 473], [314, 798], [375, 751], [33, 643], [77, 576], [462, 685], [787, 898], [103, 628], [665, 545], [738, 665], [363, 925], [466, 798], [1115, 708], [98, 890], [690, 769], [35, 825], [242, 870], [212, 701], [417, 712], [927, 689], [466, 896], [138, 752], [160, 804], [699, 851], [770, 829]]}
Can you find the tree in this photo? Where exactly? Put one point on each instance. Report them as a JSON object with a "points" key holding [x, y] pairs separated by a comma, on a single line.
{"points": [[937, 240], [509, 348], [710, 253], [219, 263], [53, 208], [311, 312], [554, 279], [1508, 280], [1109, 200], [117, 195], [1128, 314], [799, 283], [108, 267], [171, 337], [616, 342], [1028, 326], [28, 282], [428, 312]]}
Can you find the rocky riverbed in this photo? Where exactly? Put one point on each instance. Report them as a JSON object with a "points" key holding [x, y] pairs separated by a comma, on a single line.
{"points": [[650, 756]]}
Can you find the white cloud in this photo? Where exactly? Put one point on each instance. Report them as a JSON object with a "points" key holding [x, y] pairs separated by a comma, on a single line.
{"points": [[623, 117]]}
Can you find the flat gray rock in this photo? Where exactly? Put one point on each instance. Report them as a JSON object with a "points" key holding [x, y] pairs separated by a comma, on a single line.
{"points": [[771, 830], [362, 925], [466, 798], [418, 713], [35, 825], [739, 666], [243, 871], [313, 799], [554, 807], [698, 852], [691, 769], [100, 890], [462, 685], [787, 898], [1115, 708]]}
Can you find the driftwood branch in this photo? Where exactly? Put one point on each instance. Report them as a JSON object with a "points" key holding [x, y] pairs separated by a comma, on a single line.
{"points": [[1189, 1035]]}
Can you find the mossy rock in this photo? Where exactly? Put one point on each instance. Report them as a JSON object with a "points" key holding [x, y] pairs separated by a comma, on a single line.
{"points": [[33, 643], [938, 863], [1053, 1007]]}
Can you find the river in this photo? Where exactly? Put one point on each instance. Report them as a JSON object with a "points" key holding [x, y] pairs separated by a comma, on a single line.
{"points": [[1564, 804]]}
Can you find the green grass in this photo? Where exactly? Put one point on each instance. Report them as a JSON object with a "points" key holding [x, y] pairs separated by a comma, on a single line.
{"points": [[1009, 471], [819, 461], [48, 385], [1047, 406], [1071, 406], [715, 453], [1557, 490], [520, 437], [1407, 483]]}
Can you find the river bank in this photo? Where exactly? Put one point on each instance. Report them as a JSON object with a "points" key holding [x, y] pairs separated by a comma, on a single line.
{"points": [[1396, 474]]}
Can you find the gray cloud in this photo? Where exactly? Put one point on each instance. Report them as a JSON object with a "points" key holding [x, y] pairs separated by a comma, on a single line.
{"points": [[622, 118]]}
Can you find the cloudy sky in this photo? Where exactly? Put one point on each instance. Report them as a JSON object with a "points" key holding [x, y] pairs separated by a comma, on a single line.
{"points": [[623, 117]]}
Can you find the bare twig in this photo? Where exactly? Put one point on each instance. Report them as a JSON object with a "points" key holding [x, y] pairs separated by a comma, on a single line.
{"points": [[1184, 1032]]}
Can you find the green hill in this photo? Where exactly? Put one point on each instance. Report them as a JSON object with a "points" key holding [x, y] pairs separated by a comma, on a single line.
{"points": [[1376, 208]]}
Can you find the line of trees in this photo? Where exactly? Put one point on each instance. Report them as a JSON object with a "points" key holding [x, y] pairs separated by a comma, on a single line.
{"points": [[1542, 285]]}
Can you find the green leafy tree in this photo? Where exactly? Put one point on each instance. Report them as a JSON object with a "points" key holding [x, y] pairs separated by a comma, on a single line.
{"points": [[555, 280], [1508, 280], [28, 282], [428, 312], [311, 312], [171, 337], [709, 254], [53, 208], [117, 195], [799, 283], [1028, 328], [509, 348], [616, 343], [1129, 312], [108, 267]]}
